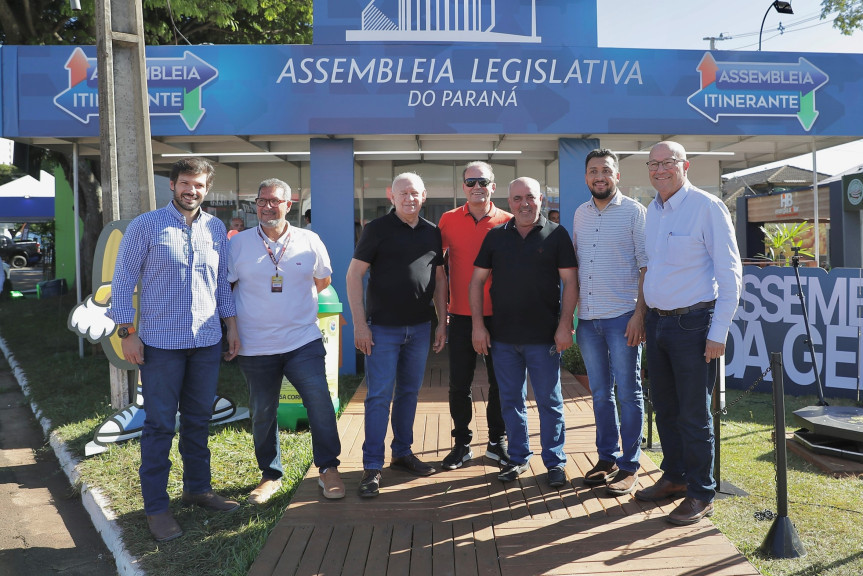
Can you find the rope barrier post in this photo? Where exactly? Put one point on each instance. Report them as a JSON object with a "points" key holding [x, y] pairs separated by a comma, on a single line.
{"points": [[782, 540]]}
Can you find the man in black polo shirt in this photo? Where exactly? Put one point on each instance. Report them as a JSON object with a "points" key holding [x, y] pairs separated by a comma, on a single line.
{"points": [[528, 259], [404, 257]]}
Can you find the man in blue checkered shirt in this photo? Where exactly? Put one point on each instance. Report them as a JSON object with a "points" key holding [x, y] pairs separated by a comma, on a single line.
{"points": [[179, 254]]}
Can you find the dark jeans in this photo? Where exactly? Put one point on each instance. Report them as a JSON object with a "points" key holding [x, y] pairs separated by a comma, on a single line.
{"points": [[462, 364], [306, 371], [681, 384], [172, 380]]}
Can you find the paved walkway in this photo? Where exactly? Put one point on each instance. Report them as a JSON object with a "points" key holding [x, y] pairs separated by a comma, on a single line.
{"points": [[466, 522]]}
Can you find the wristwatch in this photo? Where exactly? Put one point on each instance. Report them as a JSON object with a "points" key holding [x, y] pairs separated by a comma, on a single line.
{"points": [[124, 331]]}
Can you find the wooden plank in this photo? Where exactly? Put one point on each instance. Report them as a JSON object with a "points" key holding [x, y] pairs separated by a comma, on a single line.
{"points": [[337, 549], [293, 552], [268, 558], [380, 548], [443, 553], [421, 550], [400, 551], [464, 550], [313, 555], [357, 552]]}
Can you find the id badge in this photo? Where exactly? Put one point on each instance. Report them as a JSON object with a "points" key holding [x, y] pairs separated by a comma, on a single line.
{"points": [[276, 284]]}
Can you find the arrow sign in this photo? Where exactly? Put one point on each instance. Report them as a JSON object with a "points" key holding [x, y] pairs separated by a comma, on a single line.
{"points": [[758, 89], [173, 87], [188, 72]]}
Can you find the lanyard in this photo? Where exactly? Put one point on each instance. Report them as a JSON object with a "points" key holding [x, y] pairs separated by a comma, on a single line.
{"points": [[270, 250]]}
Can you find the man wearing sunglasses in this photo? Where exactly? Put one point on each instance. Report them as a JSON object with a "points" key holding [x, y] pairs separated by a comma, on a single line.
{"points": [[277, 271], [179, 254], [462, 231], [692, 287]]}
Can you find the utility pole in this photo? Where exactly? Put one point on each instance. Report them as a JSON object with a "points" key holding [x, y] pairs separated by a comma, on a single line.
{"points": [[124, 131], [713, 39]]}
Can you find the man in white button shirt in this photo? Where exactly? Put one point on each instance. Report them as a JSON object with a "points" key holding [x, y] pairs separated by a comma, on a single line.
{"points": [[692, 288], [608, 235]]}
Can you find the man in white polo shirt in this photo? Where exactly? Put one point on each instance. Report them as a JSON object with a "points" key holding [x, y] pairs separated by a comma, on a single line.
{"points": [[277, 271]]}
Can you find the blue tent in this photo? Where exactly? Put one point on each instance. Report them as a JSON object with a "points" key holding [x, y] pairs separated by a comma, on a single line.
{"points": [[27, 199]]}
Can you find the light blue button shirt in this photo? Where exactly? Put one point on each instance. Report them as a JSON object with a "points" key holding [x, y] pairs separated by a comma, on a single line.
{"points": [[183, 273], [610, 249], [692, 256]]}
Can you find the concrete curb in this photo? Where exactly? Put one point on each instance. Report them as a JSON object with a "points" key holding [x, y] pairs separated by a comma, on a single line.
{"points": [[94, 501]]}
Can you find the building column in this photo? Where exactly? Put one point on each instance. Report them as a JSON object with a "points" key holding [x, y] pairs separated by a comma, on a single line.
{"points": [[573, 190], [331, 168]]}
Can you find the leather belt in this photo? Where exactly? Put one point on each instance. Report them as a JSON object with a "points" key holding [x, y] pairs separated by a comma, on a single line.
{"points": [[686, 309]]}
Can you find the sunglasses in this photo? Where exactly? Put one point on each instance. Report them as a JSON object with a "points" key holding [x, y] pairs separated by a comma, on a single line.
{"points": [[471, 182]]}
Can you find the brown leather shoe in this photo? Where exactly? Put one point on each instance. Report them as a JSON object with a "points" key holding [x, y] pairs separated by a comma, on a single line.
{"points": [[211, 501], [661, 490], [264, 491], [601, 473], [624, 483], [690, 511], [163, 527]]}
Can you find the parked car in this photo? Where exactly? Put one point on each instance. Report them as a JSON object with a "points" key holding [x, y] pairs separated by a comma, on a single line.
{"points": [[19, 254]]}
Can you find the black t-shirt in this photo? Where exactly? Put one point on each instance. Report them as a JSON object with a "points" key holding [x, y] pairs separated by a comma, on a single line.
{"points": [[402, 269], [525, 280]]}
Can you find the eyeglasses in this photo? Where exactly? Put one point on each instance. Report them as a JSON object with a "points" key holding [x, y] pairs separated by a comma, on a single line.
{"points": [[668, 164], [273, 202], [471, 182]]}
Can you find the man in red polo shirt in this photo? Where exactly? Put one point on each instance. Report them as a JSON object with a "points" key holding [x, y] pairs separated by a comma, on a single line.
{"points": [[463, 230]]}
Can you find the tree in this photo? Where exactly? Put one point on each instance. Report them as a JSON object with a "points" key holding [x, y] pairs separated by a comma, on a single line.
{"points": [[849, 17], [46, 22]]}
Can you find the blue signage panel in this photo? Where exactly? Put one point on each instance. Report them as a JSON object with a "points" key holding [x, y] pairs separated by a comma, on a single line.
{"points": [[476, 88], [770, 319]]}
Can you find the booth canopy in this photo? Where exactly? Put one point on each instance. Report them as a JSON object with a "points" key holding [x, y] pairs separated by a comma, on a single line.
{"points": [[27, 199]]}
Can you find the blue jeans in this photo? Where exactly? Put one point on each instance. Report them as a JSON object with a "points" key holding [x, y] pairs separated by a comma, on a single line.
{"points": [[394, 373], [611, 361], [305, 369], [681, 384], [184, 380], [542, 363]]}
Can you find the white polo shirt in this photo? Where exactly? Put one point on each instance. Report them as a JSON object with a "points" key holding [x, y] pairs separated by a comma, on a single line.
{"points": [[276, 322]]}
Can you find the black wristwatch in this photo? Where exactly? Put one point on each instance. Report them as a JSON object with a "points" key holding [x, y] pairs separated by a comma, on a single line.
{"points": [[124, 332]]}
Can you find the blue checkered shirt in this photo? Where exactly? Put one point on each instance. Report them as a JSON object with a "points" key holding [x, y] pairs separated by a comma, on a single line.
{"points": [[183, 274]]}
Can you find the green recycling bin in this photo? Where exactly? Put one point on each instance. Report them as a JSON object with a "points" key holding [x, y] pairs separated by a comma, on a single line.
{"points": [[291, 411]]}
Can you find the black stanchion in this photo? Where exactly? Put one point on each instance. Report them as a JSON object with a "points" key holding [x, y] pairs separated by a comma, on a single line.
{"points": [[782, 540]]}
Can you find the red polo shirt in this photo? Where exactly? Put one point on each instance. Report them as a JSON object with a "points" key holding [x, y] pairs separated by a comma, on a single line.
{"points": [[462, 237]]}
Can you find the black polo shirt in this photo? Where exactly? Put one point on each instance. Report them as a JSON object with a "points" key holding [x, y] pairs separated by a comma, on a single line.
{"points": [[402, 269], [525, 280]]}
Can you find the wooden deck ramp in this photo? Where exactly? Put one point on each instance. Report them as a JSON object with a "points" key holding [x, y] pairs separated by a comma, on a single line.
{"points": [[467, 523]]}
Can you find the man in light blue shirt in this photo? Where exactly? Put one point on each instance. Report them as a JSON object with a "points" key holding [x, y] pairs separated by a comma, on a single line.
{"points": [[692, 286], [179, 254], [608, 235]]}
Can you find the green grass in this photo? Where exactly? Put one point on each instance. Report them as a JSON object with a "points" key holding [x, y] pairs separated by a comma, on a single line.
{"points": [[74, 393], [827, 512]]}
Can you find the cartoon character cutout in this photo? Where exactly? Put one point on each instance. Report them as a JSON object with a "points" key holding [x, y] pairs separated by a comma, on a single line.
{"points": [[90, 320]]}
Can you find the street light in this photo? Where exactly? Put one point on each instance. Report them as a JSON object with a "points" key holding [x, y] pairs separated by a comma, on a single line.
{"points": [[782, 8]]}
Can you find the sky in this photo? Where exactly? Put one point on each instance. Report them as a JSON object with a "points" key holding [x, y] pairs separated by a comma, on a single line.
{"points": [[683, 25]]}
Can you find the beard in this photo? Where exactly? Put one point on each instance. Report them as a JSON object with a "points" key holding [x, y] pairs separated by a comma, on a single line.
{"points": [[602, 195]]}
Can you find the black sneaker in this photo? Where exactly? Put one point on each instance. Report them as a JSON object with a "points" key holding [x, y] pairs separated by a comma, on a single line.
{"points": [[497, 452], [460, 454], [556, 477], [412, 464], [511, 472], [370, 485]]}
